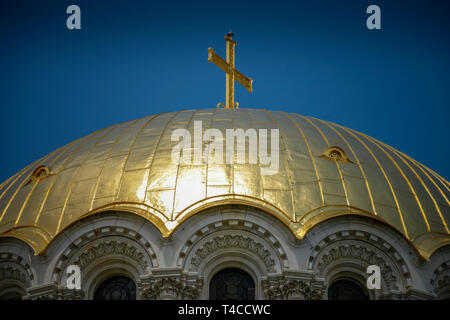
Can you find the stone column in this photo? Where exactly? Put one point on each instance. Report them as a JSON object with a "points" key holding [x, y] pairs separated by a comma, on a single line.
{"points": [[293, 287], [169, 285]]}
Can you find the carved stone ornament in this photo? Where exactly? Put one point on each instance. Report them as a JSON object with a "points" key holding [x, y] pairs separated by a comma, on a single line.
{"points": [[285, 289], [234, 241], [53, 292], [15, 267], [152, 288], [11, 273], [111, 248], [362, 254]]}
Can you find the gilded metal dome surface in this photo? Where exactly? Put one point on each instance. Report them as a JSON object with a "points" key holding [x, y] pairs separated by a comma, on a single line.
{"points": [[325, 170]]}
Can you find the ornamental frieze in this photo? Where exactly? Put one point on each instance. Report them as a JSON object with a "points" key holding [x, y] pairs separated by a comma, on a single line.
{"points": [[9, 272], [179, 288], [233, 241], [362, 254], [111, 248], [285, 289]]}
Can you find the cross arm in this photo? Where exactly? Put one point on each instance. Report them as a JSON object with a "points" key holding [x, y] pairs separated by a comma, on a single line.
{"points": [[218, 61], [246, 82]]}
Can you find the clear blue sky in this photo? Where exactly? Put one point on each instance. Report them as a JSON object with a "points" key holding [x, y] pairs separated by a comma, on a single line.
{"points": [[135, 58]]}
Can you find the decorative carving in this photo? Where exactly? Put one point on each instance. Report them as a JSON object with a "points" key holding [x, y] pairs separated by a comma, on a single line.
{"points": [[142, 253], [233, 224], [40, 173], [287, 288], [111, 248], [232, 241], [335, 153], [179, 288], [364, 248], [53, 292], [363, 254], [13, 265], [11, 273]]}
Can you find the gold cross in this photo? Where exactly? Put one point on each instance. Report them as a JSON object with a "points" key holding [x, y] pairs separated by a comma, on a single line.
{"points": [[231, 73]]}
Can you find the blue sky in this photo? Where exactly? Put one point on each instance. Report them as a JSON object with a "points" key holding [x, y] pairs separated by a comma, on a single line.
{"points": [[135, 58]]}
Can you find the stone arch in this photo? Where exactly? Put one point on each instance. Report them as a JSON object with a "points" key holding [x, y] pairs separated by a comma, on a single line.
{"points": [[220, 249], [440, 278], [113, 231], [105, 269], [232, 226], [236, 241], [244, 239], [17, 267], [104, 252], [101, 242], [105, 244], [344, 252], [233, 236], [16, 272], [441, 281], [14, 280], [11, 289]]}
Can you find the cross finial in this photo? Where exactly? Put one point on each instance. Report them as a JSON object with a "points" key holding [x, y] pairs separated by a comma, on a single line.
{"points": [[231, 73]]}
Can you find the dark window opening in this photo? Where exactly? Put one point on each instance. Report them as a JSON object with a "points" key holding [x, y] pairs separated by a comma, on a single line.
{"points": [[232, 284], [116, 288], [346, 290]]}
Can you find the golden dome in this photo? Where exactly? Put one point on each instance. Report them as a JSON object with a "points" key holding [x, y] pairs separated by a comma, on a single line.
{"points": [[325, 170]]}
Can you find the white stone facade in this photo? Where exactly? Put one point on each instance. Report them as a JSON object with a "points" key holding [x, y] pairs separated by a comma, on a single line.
{"points": [[230, 236]]}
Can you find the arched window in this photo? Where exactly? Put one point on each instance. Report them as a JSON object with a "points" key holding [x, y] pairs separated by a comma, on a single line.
{"points": [[232, 284], [346, 290], [116, 288]]}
